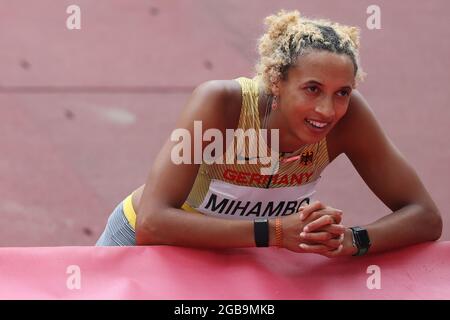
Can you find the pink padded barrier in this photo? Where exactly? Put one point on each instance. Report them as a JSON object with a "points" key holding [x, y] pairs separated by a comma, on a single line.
{"points": [[417, 272]]}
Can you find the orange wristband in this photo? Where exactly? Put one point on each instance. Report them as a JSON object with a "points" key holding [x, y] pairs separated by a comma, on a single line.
{"points": [[278, 233]]}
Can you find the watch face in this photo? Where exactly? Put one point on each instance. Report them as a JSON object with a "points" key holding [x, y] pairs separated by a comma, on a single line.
{"points": [[363, 236]]}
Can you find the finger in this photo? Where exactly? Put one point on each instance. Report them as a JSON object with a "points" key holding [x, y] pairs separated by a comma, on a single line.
{"points": [[333, 243], [314, 248], [334, 213], [306, 211], [335, 229], [337, 216], [316, 236], [334, 253], [319, 223]]}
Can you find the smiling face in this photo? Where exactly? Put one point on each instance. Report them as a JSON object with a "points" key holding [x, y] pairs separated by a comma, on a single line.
{"points": [[313, 97]]}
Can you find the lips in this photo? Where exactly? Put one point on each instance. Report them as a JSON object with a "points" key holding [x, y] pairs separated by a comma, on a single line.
{"points": [[319, 125]]}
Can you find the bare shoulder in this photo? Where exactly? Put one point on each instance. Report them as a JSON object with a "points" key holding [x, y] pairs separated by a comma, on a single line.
{"points": [[217, 100], [213, 103]]}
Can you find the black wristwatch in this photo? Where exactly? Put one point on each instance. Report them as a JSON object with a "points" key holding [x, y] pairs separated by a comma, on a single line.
{"points": [[261, 232], [360, 240]]}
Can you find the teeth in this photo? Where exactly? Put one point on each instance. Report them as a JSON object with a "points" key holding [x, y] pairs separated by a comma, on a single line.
{"points": [[317, 124]]}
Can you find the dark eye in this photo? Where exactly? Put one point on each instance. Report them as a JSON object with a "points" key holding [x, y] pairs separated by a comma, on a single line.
{"points": [[312, 89], [344, 93]]}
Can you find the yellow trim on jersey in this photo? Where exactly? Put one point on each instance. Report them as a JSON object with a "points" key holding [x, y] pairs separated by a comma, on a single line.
{"points": [[129, 212], [188, 208]]}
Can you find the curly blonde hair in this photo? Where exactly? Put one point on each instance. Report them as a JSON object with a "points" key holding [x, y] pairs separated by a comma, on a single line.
{"points": [[289, 35]]}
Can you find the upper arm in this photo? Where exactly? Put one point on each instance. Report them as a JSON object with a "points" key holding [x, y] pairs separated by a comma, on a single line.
{"points": [[169, 184], [381, 165]]}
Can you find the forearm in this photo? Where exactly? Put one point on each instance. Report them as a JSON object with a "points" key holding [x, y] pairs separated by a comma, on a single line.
{"points": [[179, 228], [410, 225]]}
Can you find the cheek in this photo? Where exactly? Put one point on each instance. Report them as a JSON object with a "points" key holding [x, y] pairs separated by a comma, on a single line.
{"points": [[341, 110], [298, 112], [300, 106], [296, 98]]}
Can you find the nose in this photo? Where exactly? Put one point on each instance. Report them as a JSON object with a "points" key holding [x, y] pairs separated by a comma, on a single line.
{"points": [[325, 109]]}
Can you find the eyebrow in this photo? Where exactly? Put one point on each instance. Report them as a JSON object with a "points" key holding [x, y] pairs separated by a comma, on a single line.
{"points": [[320, 84]]}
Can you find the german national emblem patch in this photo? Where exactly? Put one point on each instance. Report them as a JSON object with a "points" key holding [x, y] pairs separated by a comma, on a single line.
{"points": [[306, 158]]}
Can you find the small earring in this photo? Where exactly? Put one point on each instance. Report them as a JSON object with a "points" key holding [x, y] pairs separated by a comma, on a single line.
{"points": [[275, 103]]}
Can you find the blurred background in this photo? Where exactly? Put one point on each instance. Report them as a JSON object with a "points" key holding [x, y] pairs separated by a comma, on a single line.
{"points": [[84, 112]]}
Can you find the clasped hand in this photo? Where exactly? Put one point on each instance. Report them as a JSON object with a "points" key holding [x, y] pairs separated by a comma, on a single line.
{"points": [[317, 229]]}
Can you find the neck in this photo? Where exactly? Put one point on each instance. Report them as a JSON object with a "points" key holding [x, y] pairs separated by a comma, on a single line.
{"points": [[288, 141]]}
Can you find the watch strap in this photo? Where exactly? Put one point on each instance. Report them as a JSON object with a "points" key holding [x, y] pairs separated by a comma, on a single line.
{"points": [[261, 232]]}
